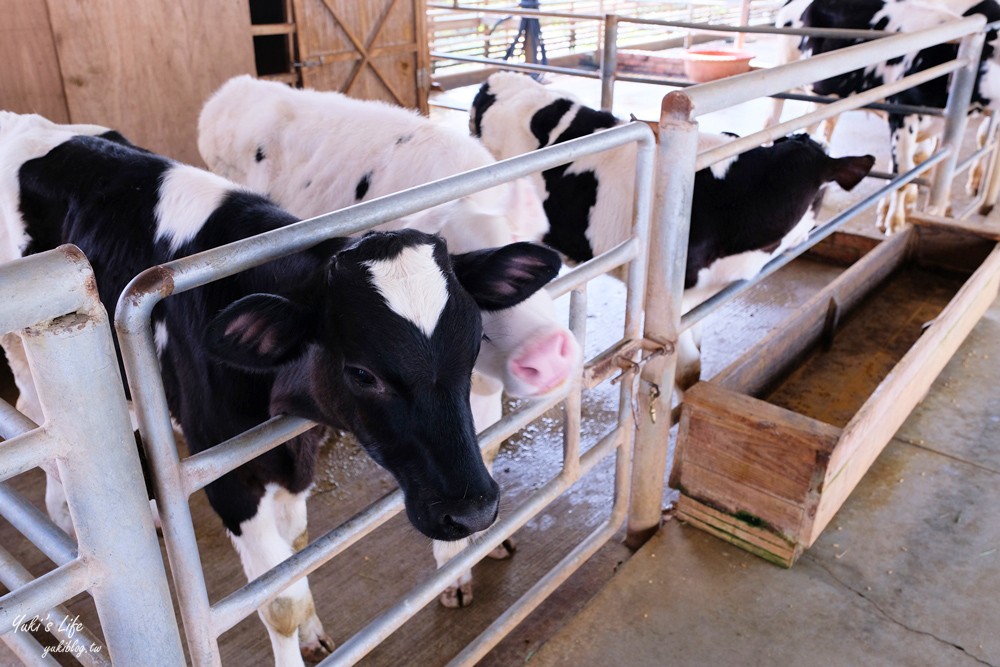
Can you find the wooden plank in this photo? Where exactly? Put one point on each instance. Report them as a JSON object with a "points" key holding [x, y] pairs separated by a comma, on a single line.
{"points": [[929, 221], [31, 82], [760, 366], [882, 415], [842, 248], [759, 542], [742, 455], [272, 29], [951, 250], [291, 78], [146, 68], [728, 494], [367, 50]]}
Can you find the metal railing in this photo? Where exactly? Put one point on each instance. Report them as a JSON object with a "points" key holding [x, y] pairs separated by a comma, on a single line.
{"points": [[176, 479], [608, 74], [51, 300], [678, 160]]}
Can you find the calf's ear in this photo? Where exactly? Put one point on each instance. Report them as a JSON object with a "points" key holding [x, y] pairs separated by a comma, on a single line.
{"points": [[503, 277], [260, 332], [849, 171]]}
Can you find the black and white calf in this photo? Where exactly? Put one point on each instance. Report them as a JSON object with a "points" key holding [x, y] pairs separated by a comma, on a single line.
{"points": [[913, 137], [376, 335], [314, 152], [745, 211]]}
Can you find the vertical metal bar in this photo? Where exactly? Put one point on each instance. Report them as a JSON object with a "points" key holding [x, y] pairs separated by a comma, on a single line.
{"points": [[573, 405], [609, 62], [148, 396], [744, 21], [103, 481], [667, 262], [956, 119]]}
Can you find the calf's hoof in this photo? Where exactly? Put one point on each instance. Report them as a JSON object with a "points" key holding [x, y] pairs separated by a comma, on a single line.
{"points": [[504, 550], [457, 597], [317, 649]]}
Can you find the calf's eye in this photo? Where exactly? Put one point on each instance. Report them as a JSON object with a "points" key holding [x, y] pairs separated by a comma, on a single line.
{"points": [[360, 376]]}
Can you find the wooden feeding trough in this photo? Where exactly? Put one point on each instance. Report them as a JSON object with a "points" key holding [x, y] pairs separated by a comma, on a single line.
{"points": [[770, 448]]}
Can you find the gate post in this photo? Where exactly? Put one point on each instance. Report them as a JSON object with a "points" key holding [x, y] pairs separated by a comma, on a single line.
{"points": [[956, 119], [52, 297], [675, 171]]}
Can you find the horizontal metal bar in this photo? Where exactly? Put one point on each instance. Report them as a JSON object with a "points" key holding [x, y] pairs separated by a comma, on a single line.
{"points": [[69, 287], [906, 109], [391, 619], [180, 275], [886, 176], [710, 305], [207, 466], [38, 528], [750, 141], [518, 11], [47, 591], [27, 649], [835, 33], [716, 95], [241, 603], [13, 423], [520, 67], [14, 575], [841, 33], [26, 451], [543, 588], [622, 253]]}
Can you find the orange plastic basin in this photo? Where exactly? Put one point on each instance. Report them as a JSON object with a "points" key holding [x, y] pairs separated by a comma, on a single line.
{"points": [[708, 65]]}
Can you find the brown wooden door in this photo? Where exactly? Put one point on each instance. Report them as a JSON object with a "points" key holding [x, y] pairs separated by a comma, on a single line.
{"points": [[369, 49]]}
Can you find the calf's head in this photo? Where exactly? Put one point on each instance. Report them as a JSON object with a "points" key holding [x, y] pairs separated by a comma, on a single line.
{"points": [[383, 344], [524, 347]]}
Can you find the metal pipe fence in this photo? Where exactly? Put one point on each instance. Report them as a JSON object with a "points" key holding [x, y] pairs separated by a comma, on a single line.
{"points": [[676, 166], [608, 75], [51, 301], [175, 479]]}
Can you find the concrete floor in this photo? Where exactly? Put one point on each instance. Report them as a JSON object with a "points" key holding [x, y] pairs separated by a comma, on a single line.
{"points": [[907, 574]]}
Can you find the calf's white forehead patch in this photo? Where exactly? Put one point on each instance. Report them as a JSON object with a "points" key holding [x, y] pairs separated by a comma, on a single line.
{"points": [[187, 197], [412, 285]]}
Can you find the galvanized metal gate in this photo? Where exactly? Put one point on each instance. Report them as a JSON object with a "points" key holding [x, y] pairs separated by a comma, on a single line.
{"points": [[176, 479], [678, 160], [87, 436]]}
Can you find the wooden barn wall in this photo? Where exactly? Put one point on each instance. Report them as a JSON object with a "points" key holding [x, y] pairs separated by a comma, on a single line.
{"points": [[374, 50], [29, 67], [143, 67]]}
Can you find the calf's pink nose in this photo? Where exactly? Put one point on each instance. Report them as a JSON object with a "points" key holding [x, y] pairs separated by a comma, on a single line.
{"points": [[548, 362]]}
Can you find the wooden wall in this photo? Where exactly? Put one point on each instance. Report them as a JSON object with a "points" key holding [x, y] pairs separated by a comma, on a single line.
{"points": [[143, 67], [29, 67]]}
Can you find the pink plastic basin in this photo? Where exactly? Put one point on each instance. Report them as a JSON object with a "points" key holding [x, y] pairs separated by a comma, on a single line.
{"points": [[708, 65]]}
